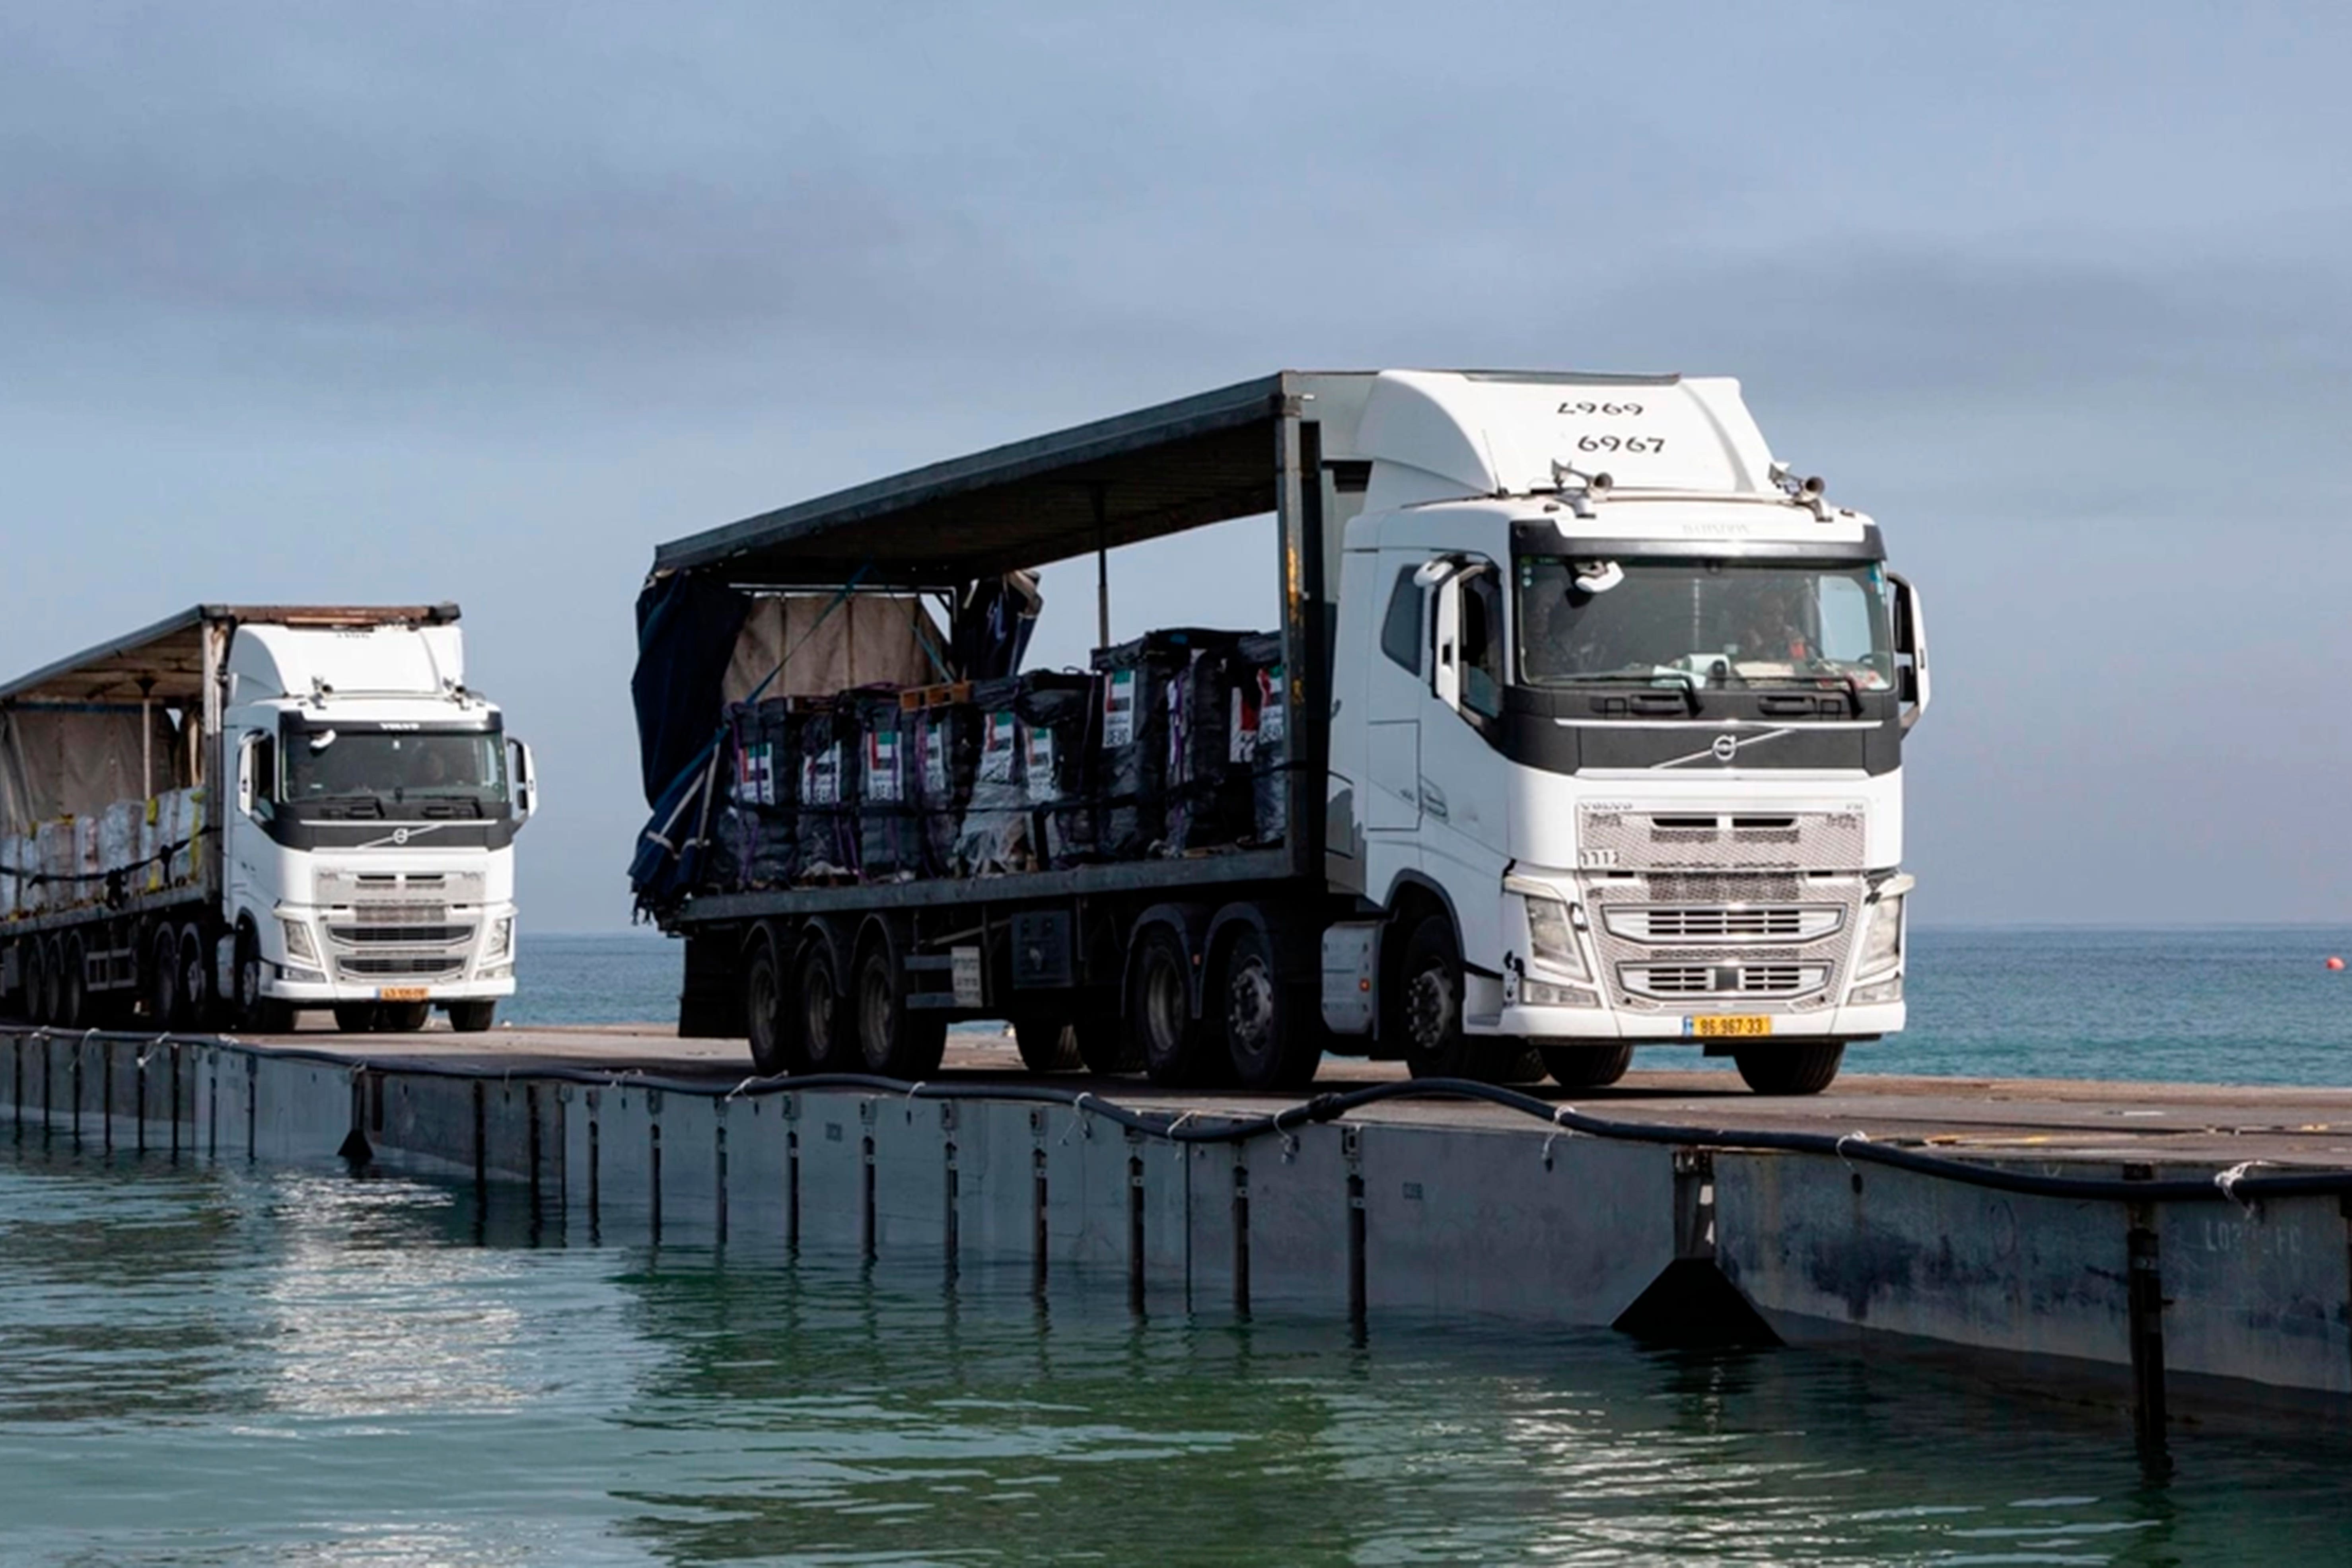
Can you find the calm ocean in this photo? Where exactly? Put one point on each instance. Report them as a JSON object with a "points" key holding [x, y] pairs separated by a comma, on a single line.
{"points": [[229, 1364], [2242, 1005]]}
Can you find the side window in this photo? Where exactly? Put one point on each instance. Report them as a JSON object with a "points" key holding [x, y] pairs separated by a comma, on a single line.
{"points": [[1400, 637], [1481, 643], [265, 778]]}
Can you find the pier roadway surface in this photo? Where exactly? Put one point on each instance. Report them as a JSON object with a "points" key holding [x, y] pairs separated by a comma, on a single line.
{"points": [[2002, 1119]]}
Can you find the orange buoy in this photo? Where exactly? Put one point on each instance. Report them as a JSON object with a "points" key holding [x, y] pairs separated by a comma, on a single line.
{"points": [[2334, 963]]}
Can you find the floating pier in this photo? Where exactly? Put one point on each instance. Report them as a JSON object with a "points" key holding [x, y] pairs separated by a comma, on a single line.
{"points": [[2154, 1243]]}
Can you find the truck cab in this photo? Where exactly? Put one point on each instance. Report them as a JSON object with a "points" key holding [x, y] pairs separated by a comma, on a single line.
{"points": [[367, 857], [1625, 702]]}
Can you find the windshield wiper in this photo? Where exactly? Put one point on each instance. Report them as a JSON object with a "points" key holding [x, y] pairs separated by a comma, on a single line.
{"points": [[1682, 679]]}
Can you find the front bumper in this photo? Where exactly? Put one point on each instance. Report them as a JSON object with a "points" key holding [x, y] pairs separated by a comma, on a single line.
{"points": [[1604, 1024], [326, 993]]}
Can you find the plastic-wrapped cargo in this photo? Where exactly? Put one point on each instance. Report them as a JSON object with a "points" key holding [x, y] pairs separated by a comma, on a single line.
{"points": [[117, 838], [16, 851], [1133, 740], [943, 743], [994, 838], [889, 840], [1055, 709], [179, 824], [1259, 732], [59, 869], [1208, 796], [826, 823], [768, 783]]}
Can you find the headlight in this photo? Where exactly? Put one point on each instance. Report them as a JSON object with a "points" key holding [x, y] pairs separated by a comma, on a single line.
{"points": [[502, 939], [1551, 940], [298, 940], [1882, 945]]}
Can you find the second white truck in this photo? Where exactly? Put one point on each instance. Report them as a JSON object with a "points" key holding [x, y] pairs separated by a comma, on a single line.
{"points": [[246, 812]]}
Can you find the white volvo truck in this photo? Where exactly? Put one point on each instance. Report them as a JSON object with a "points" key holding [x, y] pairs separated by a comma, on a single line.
{"points": [[1597, 715], [243, 812]]}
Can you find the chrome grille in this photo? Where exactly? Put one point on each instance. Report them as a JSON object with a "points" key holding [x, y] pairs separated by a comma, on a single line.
{"points": [[366, 935], [413, 966], [1722, 980], [1686, 922]]}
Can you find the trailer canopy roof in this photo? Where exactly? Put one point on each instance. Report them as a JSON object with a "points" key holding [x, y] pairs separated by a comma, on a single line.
{"points": [[169, 656], [1137, 476]]}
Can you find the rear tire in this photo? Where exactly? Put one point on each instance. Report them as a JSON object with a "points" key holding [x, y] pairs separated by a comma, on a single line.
{"points": [[893, 1039], [73, 998], [1586, 1066], [1047, 1045], [472, 1017], [1104, 1046], [819, 1020], [1268, 1043], [164, 978], [195, 981], [37, 983], [1806, 1068], [357, 1017], [765, 1007], [1175, 1047]]}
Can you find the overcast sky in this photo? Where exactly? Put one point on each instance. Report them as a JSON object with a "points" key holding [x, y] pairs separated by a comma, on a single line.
{"points": [[421, 302]]}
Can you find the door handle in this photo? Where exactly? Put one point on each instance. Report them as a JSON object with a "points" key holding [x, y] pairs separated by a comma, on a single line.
{"points": [[1432, 800]]}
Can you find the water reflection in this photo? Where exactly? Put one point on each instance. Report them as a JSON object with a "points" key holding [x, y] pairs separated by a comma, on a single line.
{"points": [[225, 1364]]}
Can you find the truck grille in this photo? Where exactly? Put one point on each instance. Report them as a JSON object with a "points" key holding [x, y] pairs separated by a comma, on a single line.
{"points": [[410, 966], [1723, 980], [1668, 922], [409, 936]]}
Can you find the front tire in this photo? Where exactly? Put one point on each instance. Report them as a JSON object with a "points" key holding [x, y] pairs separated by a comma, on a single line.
{"points": [[1430, 993], [1586, 1066], [405, 1017], [256, 1014], [473, 1017], [1806, 1068], [357, 1017]]}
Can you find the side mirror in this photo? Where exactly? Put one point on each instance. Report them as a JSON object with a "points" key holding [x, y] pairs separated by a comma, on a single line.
{"points": [[526, 781], [1910, 642]]}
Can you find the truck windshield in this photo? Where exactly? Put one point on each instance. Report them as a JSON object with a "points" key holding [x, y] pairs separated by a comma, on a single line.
{"points": [[442, 771], [1711, 622]]}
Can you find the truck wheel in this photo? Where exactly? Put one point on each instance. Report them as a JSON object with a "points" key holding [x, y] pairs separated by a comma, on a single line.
{"points": [[256, 1014], [358, 1017], [1586, 1066], [36, 983], [1806, 1068], [1269, 1044], [1047, 1045], [472, 1017], [72, 995], [1175, 1047], [1430, 1002], [765, 1005], [1105, 1045], [403, 1018], [818, 1021], [195, 1002], [164, 978], [893, 1039]]}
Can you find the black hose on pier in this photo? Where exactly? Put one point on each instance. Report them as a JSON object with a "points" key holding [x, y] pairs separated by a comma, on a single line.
{"points": [[2238, 1185]]}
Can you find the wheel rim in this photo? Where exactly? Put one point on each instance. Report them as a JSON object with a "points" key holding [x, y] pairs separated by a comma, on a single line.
{"points": [[1249, 1007], [1163, 1003], [167, 981], [762, 999], [194, 985], [816, 1009], [874, 1012], [1429, 1010]]}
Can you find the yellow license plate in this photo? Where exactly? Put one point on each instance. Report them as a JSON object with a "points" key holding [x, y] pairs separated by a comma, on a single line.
{"points": [[1730, 1025], [401, 992]]}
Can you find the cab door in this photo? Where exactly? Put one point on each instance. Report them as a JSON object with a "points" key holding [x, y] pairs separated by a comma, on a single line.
{"points": [[1464, 778]]}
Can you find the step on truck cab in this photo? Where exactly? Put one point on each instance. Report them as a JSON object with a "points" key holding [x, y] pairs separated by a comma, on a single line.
{"points": [[247, 812], [1596, 719]]}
